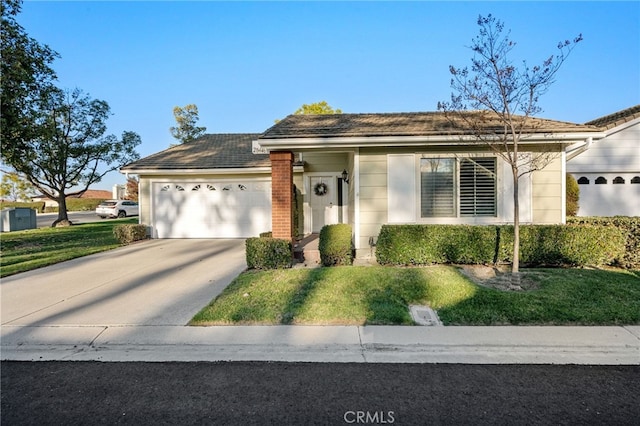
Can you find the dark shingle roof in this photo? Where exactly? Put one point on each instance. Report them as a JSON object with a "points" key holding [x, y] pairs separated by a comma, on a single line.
{"points": [[213, 151], [617, 118], [401, 124]]}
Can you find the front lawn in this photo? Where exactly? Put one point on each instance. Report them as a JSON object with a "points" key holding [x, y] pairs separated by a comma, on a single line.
{"points": [[381, 295], [34, 248]]}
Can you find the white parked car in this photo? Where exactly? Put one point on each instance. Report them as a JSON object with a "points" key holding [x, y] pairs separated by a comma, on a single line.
{"points": [[117, 208]]}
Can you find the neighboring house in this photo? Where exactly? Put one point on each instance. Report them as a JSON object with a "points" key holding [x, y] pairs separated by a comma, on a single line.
{"points": [[608, 170], [362, 169], [96, 194]]}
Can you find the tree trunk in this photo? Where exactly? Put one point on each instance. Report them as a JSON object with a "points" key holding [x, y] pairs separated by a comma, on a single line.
{"points": [[515, 266], [63, 217]]}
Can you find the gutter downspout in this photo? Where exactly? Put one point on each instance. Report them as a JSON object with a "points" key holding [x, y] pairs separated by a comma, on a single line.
{"points": [[577, 151]]}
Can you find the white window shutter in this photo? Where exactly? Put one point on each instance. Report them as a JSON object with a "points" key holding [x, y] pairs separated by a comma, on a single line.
{"points": [[401, 188]]}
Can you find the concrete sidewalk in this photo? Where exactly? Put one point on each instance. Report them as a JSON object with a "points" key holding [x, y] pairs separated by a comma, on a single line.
{"points": [[385, 344], [91, 309]]}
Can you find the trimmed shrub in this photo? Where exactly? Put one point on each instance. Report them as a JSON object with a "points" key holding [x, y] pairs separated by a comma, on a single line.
{"points": [[572, 195], [465, 244], [429, 244], [268, 234], [128, 233], [37, 206], [335, 245], [630, 228], [268, 253], [575, 245]]}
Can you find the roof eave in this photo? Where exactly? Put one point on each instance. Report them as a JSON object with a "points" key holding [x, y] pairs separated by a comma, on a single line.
{"points": [[618, 127], [269, 144], [195, 171], [227, 171]]}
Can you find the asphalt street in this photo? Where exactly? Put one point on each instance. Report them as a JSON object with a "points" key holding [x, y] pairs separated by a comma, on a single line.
{"points": [[252, 393]]}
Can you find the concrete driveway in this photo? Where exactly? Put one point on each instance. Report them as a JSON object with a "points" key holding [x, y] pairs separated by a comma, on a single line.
{"points": [[155, 282]]}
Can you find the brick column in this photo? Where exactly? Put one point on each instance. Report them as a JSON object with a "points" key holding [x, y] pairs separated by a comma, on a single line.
{"points": [[282, 195]]}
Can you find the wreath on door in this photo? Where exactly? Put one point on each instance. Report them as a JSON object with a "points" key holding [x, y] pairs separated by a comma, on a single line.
{"points": [[320, 189]]}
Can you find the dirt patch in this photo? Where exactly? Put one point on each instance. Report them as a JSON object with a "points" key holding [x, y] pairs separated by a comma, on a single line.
{"points": [[500, 277], [28, 246]]}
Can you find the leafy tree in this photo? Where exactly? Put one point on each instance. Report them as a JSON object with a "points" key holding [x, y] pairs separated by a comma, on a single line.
{"points": [[132, 189], [572, 195], [15, 188], [496, 90], [321, 107], [25, 78], [72, 152], [186, 119]]}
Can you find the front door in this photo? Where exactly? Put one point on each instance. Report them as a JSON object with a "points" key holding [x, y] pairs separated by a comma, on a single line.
{"points": [[323, 201]]}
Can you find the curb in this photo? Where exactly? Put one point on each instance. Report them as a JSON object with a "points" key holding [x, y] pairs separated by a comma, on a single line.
{"points": [[333, 344]]}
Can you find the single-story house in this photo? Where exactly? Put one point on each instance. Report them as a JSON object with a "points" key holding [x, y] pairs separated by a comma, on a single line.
{"points": [[362, 169], [608, 170]]}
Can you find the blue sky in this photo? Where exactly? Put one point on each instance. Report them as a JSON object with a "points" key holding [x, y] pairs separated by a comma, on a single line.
{"points": [[245, 64]]}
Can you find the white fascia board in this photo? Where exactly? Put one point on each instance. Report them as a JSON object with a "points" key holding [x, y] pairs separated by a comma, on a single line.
{"points": [[231, 171], [381, 141], [239, 170]]}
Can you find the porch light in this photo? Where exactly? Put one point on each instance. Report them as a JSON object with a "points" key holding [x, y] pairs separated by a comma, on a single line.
{"points": [[345, 176]]}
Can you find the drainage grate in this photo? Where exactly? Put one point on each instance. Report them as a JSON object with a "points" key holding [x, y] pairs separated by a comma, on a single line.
{"points": [[424, 315]]}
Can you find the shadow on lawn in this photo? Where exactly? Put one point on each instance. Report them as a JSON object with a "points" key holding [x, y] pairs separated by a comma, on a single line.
{"points": [[302, 294], [565, 297], [388, 302], [383, 302]]}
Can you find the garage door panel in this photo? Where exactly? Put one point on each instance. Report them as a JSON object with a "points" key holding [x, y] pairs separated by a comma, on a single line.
{"points": [[233, 209]]}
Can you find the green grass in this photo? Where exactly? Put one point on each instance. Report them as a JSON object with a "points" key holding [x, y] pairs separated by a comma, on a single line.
{"points": [[381, 295], [26, 250], [565, 297], [338, 295]]}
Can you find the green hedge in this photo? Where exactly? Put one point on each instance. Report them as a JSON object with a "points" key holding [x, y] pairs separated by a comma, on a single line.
{"points": [[128, 233], [83, 204], [465, 244], [575, 245], [429, 244], [629, 226], [78, 205], [37, 206], [268, 253], [335, 245]]}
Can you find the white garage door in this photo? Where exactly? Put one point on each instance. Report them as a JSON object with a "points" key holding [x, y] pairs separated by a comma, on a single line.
{"points": [[216, 209]]}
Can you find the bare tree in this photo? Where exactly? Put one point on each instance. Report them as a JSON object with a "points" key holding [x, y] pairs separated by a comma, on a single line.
{"points": [[498, 101]]}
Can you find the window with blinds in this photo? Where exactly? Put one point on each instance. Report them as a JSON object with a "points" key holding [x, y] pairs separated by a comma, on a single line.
{"points": [[477, 187], [450, 187], [437, 177]]}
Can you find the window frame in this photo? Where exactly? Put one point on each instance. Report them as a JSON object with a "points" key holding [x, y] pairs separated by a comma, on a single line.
{"points": [[458, 218]]}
